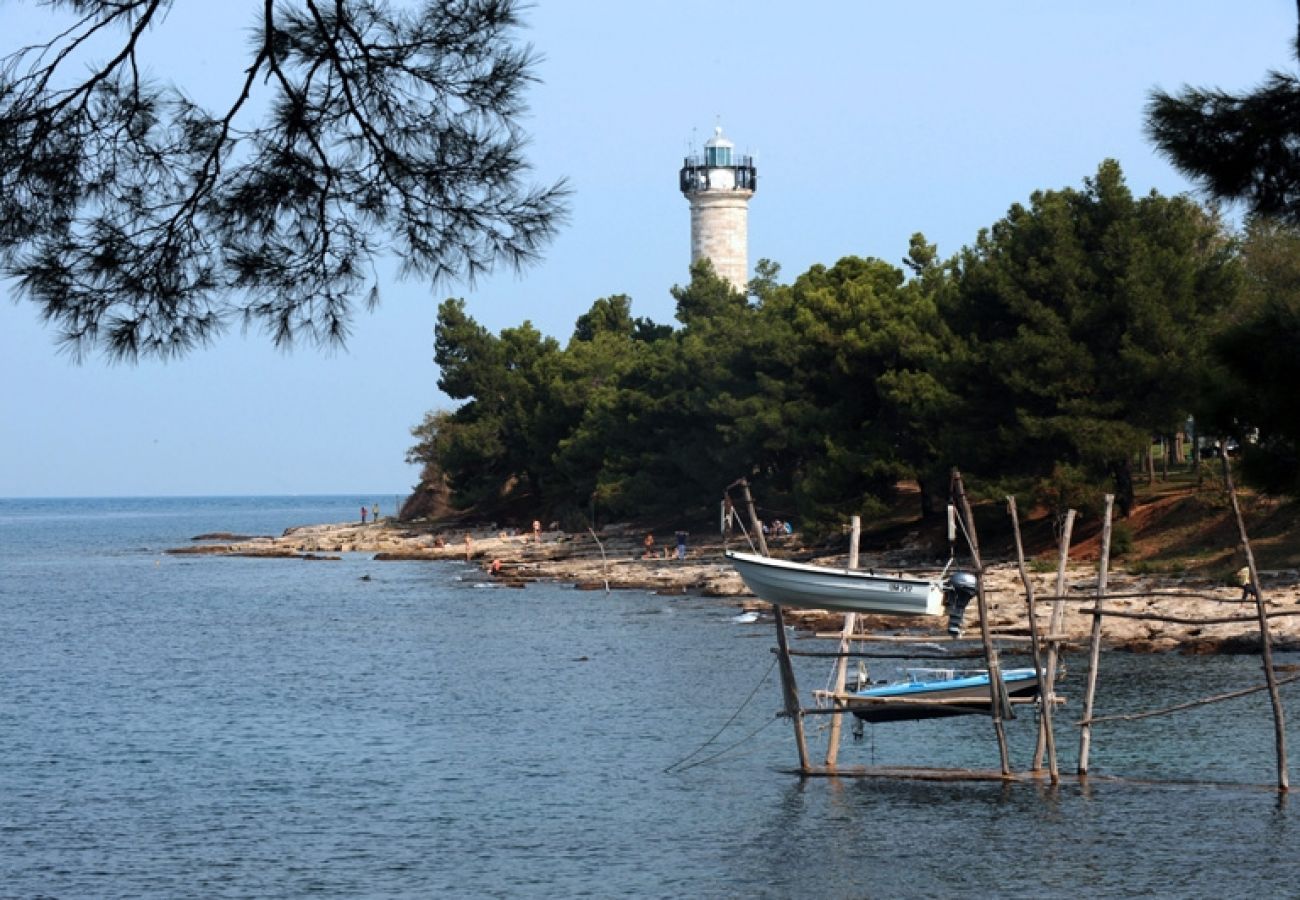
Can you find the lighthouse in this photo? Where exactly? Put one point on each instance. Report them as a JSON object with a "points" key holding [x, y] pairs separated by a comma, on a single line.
{"points": [[718, 186]]}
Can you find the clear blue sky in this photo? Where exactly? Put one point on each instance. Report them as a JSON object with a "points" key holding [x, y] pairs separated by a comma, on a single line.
{"points": [[870, 121]]}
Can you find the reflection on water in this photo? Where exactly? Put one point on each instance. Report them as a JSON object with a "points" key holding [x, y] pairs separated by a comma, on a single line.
{"points": [[220, 727]]}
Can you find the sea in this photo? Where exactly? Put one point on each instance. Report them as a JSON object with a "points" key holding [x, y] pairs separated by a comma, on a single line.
{"points": [[197, 726]]}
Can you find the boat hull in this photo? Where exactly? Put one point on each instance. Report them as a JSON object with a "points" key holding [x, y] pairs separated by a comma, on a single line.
{"points": [[804, 586], [905, 701]]}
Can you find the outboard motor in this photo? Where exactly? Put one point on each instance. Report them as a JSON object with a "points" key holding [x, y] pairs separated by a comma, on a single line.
{"points": [[957, 593]]}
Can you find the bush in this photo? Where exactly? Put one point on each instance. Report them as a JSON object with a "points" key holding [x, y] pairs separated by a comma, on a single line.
{"points": [[1121, 539], [1068, 487]]}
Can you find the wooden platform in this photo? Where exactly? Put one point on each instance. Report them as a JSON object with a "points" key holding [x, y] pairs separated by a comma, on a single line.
{"points": [[1039, 777]]}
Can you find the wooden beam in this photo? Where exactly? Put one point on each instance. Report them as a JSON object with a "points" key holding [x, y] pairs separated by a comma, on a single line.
{"points": [[1094, 649], [789, 687], [1039, 668], [1183, 620], [1232, 695], [997, 690], [1265, 639]]}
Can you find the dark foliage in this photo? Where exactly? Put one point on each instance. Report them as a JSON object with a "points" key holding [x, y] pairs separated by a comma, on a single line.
{"points": [[141, 223], [1238, 147]]}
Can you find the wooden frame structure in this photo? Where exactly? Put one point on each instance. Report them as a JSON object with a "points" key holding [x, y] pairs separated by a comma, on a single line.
{"points": [[1045, 667]]}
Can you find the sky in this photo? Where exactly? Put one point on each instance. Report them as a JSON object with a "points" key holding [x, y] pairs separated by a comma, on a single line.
{"points": [[870, 121]]}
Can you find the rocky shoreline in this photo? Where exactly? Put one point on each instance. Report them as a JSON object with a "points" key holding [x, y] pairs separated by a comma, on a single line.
{"points": [[614, 560]]}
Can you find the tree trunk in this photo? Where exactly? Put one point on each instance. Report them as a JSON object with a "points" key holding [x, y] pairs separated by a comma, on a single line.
{"points": [[927, 501], [1122, 472]]}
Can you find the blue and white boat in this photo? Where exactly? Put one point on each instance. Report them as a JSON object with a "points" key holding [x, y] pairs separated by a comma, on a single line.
{"points": [[933, 693]]}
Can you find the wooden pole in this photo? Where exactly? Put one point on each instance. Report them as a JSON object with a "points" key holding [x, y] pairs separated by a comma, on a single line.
{"points": [[1094, 650], [754, 522], [1054, 628], [1186, 620], [846, 638], [1169, 710], [1265, 640], [1039, 672], [997, 690], [789, 688]]}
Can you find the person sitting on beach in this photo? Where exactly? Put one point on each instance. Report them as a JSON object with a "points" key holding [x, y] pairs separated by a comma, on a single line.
{"points": [[649, 543]]}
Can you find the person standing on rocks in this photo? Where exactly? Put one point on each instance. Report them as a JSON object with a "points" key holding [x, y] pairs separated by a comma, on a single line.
{"points": [[374, 514], [1248, 589], [363, 514], [537, 530]]}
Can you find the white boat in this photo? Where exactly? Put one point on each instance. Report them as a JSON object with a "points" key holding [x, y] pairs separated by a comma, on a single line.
{"points": [[931, 693], [806, 586]]}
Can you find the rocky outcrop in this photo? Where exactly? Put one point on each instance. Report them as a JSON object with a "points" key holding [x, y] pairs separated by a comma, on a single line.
{"points": [[616, 560]]}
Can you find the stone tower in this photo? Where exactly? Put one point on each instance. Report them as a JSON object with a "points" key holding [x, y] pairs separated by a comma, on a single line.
{"points": [[718, 186]]}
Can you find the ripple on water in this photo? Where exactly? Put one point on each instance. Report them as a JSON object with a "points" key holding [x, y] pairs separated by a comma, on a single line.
{"points": [[231, 728]]}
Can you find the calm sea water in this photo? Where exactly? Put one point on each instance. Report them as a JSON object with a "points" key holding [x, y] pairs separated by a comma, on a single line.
{"points": [[201, 727]]}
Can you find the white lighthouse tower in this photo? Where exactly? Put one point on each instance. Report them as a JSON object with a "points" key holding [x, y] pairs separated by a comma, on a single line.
{"points": [[718, 186]]}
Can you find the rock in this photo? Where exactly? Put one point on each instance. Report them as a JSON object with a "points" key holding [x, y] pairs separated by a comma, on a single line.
{"points": [[616, 563]]}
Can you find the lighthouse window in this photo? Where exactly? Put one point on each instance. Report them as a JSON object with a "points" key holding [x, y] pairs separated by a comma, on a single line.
{"points": [[717, 156]]}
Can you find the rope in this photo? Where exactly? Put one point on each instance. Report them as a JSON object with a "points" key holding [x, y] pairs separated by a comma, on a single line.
{"points": [[961, 522], [679, 765], [729, 747], [604, 562], [740, 520]]}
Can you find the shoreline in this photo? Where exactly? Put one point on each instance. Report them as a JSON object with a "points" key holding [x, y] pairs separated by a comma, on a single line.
{"points": [[615, 562]]}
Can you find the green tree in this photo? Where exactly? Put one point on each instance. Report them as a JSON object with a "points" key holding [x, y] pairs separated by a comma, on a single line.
{"points": [[494, 447], [1256, 399], [848, 360], [1238, 147], [1084, 325], [141, 223]]}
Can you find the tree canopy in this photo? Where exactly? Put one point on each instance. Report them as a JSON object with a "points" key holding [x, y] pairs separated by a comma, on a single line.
{"points": [[143, 224], [1047, 353], [1084, 322], [1238, 147], [1255, 398]]}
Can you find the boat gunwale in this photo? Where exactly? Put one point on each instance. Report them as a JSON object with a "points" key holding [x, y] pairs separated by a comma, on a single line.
{"points": [[857, 574], [905, 688]]}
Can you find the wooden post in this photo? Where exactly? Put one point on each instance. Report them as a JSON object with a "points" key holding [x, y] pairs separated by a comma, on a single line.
{"points": [[1054, 630], [789, 688], [846, 638], [1094, 650], [1265, 640], [1045, 701], [997, 690], [754, 522]]}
